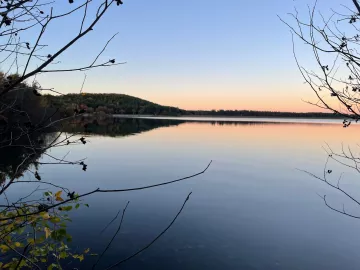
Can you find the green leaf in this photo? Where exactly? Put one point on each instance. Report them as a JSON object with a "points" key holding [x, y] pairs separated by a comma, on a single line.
{"points": [[40, 240], [66, 208], [86, 205], [63, 255], [8, 265], [77, 206], [80, 257], [63, 225], [20, 231], [22, 263], [55, 220], [62, 231], [52, 266], [69, 238], [30, 241]]}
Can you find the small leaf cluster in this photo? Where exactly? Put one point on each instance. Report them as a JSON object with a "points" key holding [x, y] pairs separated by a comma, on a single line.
{"points": [[39, 231]]}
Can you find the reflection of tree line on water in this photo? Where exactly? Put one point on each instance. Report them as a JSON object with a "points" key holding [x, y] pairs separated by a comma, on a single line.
{"points": [[119, 126], [23, 154], [113, 126]]}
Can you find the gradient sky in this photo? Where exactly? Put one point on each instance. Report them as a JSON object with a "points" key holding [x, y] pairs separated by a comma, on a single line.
{"points": [[200, 54]]}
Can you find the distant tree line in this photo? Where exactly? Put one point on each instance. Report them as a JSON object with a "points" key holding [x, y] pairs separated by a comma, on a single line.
{"points": [[105, 104], [248, 113]]}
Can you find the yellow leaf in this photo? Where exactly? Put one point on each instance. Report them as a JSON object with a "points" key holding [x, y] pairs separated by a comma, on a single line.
{"points": [[86, 250], [58, 194], [17, 244], [47, 232], [59, 199], [4, 248], [45, 215]]}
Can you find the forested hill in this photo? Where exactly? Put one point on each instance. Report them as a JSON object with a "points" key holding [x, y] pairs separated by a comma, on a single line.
{"points": [[125, 104], [111, 104]]}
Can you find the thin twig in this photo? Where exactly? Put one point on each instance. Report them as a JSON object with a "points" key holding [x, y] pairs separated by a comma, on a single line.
{"points": [[154, 240]]}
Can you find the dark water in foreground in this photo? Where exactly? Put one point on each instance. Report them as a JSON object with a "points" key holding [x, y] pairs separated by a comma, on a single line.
{"points": [[251, 210]]}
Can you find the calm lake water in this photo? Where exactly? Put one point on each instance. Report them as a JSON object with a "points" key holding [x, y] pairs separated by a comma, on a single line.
{"points": [[251, 210]]}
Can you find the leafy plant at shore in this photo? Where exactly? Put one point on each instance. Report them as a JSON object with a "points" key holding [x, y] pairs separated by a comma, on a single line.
{"points": [[38, 238]]}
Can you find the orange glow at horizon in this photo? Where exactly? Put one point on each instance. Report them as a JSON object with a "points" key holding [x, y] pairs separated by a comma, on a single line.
{"points": [[285, 98], [238, 102]]}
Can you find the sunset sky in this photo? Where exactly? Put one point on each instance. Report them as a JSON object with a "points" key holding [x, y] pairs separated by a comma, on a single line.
{"points": [[200, 54]]}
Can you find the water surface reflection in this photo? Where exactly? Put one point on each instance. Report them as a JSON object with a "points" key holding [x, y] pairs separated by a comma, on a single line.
{"points": [[251, 210]]}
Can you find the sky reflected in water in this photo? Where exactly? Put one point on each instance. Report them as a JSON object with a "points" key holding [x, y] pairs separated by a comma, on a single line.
{"points": [[251, 210]]}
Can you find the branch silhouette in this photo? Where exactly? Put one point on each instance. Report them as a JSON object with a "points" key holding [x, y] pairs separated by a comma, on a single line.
{"points": [[154, 240]]}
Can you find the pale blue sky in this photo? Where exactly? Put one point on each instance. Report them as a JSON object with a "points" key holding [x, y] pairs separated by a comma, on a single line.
{"points": [[231, 54]]}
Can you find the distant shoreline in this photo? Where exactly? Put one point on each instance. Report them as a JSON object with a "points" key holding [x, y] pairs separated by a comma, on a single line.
{"points": [[222, 116], [218, 119], [128, 106]]}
